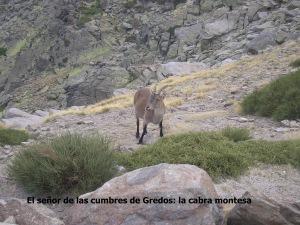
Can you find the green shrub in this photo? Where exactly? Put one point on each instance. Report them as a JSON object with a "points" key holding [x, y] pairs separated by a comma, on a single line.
{"points": [[129, 3], [87, 12], [12, 137], [70, 163], [3, 51], [236, 134], [295, 63], [213, 152], [280, 99]]}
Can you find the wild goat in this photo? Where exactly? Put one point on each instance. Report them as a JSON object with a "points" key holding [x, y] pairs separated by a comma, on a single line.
{"points": [[150, 107]]}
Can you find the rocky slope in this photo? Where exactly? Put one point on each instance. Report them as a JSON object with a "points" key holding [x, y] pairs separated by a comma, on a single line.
{"points": [[221, 88], [64, 53]]}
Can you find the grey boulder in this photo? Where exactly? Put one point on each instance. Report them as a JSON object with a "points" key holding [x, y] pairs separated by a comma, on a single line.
{"points": [[165, 181], [27, 214], [264, 211]]}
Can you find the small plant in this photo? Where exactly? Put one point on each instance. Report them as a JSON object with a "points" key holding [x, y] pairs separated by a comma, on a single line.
{"points": [[295, 63], [87, 12], [213, 152], [280, 99], [12, 137], [3, 51], [129, 3], [236, 134], [70, 163]]}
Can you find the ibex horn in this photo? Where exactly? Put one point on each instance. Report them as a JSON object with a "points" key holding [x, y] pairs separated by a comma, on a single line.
{"points": [[163, 88], [154, 88]]}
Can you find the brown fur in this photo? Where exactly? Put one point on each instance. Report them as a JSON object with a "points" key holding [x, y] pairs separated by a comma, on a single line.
{"points": [[150, 107]]}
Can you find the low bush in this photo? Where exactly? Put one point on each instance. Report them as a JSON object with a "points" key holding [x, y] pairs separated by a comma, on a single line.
{"points": [[295, 63], [12, 137], [279, 100], [215, 153], [129, 3], [3, 51], [71, 163], [236, 134], [87, 12]]}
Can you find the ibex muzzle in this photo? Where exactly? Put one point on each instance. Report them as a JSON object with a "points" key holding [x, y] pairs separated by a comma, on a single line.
{"points": [[150, 107]]}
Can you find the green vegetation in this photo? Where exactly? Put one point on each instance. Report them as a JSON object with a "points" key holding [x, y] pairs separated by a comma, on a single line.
{"points": [[295, 63], [87, 12], [279, 100], [217, 154], [23, 43], [236, 134], [12, 137], [129, 3], [3, 51], [94, 54], [70, 163]]}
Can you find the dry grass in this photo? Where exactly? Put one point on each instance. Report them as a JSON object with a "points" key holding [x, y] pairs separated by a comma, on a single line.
{"points": [[2, 125], [117, 102], [173, 102], [292, 136], [237, 108]]}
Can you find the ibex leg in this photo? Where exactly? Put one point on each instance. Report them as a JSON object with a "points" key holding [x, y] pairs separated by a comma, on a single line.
{"points": [[137, 128], [144, 132], [161, 129]]}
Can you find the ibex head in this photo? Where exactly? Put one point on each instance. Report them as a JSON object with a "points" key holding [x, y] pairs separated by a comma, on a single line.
{"points": [[156, 99]]}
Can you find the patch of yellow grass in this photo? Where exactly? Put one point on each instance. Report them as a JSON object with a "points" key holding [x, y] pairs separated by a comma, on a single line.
{"points": [[2, 125], [237, 108], [117, 102], [293, 135], [174, 81], [205, 88], [173, 102], [199, 95], [187, 90]]}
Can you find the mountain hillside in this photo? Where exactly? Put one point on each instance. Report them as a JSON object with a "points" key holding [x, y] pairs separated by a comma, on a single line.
{"points": [[61, 53]]}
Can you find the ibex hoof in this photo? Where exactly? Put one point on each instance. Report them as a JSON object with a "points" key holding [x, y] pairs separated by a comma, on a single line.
{"points": [[140, 142]]}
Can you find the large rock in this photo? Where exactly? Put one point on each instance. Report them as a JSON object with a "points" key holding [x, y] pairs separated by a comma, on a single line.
{"points": [[23, 122], [163, 180], [96, 85], [264, 211], [222, 26], [27, 214], [179, 68], [263, 40], [15, 112], [19, 119]]}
